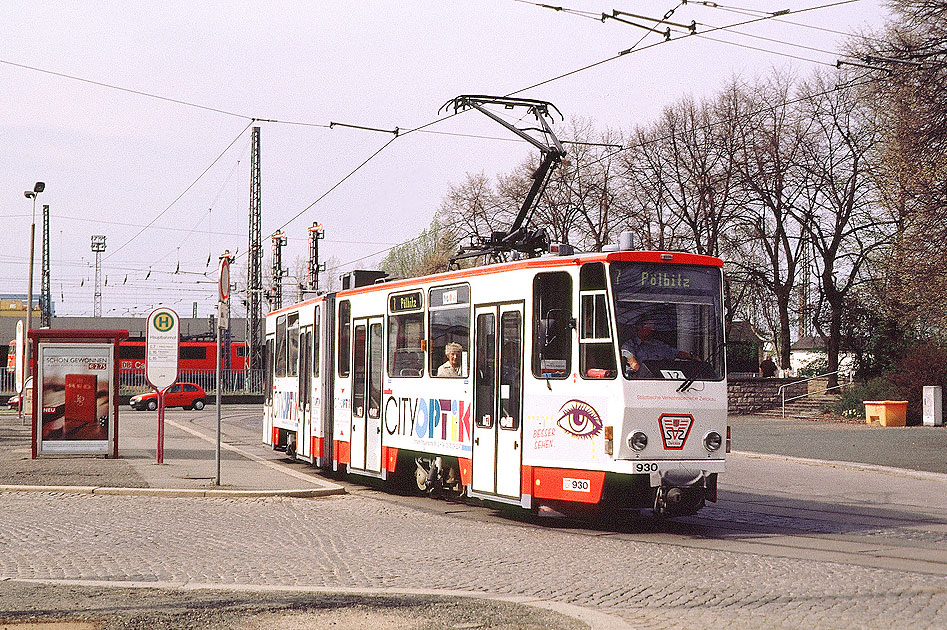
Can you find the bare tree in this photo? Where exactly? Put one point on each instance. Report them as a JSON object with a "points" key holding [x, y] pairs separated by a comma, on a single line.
{"points": [[645, 173], [910, 96], [429, 253], [580, 203], [475, 208], [769, 243], [842, 215], [685, 173], [329, 279]]}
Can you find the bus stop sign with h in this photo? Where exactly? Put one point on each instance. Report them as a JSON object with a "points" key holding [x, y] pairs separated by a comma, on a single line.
{"points": [[161, 361]]}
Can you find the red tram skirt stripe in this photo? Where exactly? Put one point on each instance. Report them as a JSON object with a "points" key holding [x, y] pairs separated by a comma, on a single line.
{"points": [[466, 472], [389, 456], [564, 484], [342, 452]]}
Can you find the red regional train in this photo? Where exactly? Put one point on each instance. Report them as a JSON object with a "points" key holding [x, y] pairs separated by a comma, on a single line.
{"points": [[192, 356]]}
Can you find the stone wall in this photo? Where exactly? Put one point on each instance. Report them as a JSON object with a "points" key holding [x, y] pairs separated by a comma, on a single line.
{"points": [[749, 395]]}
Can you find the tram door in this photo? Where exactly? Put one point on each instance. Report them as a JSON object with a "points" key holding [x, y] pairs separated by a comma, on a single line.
{"points": [[304, 447], [367, 355], [498, 384]]}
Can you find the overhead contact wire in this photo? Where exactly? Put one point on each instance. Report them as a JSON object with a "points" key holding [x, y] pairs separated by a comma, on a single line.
{"points": [[178, 198]]}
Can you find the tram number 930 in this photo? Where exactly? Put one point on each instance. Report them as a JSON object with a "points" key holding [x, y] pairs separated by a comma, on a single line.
{"points": [[642, 467], [576, 485]]}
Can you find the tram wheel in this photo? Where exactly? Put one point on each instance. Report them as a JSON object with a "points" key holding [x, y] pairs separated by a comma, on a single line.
{"points": [[420, 478]]}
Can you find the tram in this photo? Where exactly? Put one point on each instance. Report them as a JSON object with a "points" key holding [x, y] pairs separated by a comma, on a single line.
{"points": [[562, 383]]}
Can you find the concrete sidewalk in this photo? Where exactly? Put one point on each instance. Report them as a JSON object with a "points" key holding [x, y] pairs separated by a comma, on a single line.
{"points": [[248, 468]]}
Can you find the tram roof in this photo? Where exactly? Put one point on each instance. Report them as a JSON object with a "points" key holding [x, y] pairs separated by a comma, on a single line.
{"points": [[543, 262]]}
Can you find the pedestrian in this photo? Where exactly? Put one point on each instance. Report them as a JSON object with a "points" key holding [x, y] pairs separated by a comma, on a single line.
{"points": [[767, 367]]}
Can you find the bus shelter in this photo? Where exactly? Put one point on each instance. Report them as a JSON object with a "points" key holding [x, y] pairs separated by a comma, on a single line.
{"points": [[75, 398]]}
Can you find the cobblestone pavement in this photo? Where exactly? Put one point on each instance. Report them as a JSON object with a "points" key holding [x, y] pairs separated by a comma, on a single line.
{"points": [[366, 540], [791, 544]]}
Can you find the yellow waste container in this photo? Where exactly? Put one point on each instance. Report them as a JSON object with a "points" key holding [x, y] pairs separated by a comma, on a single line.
{"points": [[890, 413]]}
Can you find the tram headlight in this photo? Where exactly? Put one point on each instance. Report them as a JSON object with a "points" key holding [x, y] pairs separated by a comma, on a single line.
{"points": [[638, 441], [712, 441]]}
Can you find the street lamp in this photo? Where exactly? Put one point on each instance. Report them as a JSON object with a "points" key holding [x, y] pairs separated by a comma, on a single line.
{"points": [[31, 194]]}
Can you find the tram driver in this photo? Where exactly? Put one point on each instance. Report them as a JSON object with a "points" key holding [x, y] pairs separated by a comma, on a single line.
{"points": [[644, 346], [452, 366]]}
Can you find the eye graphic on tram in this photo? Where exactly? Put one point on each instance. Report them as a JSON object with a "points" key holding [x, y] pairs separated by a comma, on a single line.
{"points": [[580, 419]]}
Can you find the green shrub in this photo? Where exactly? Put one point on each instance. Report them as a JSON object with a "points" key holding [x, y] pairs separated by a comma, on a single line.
{"points": [[921, 364], [816, 367], [853, 398]]}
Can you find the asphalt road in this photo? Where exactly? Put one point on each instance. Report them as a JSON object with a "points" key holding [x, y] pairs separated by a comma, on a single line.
{"points": [[912, 448]]}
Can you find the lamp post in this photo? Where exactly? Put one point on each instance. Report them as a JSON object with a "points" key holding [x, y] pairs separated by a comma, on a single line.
{"points": [[38, 187]]}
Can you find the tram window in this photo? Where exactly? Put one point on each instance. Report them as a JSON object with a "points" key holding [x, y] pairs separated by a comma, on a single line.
{"points": [[269, 359], [305, 368], [292, 334], [485, 391], [511, 357], [281, 346], [358, 379], [316, 328], [375, 355], [552, 325], [596, 352], [449, 331], [345, 327], [405, 345], [669, 321], [592, 277]]}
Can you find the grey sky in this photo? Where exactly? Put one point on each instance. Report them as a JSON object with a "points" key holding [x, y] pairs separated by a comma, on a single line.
{"points": [[114, 160]]}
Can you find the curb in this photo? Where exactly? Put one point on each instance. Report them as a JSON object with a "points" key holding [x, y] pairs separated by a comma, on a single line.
{"points": [[903, 472], [180, 492]]}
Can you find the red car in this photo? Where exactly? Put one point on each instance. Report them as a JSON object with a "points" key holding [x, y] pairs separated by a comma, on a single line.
{"points": [[13, 402], [187, 395]]}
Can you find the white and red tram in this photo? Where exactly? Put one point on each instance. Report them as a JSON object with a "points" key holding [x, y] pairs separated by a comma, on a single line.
{"points": [[576, 382]]}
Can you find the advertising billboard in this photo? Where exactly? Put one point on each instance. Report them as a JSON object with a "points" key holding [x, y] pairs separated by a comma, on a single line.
{"points": [[75, 397]]}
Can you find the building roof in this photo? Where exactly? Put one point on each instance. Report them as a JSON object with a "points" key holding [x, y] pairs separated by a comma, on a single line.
{"points": [[808, 343], [744, 332]]}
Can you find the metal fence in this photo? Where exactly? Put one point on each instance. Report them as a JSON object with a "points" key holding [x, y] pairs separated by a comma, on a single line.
{"points": [[232, 382], [7, 382]]}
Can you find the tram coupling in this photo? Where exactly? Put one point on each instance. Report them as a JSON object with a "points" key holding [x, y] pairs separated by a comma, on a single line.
{"points": [[681, 493]]}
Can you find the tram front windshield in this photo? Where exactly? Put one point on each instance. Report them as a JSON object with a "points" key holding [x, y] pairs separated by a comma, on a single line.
{"points": [[669, 321]]}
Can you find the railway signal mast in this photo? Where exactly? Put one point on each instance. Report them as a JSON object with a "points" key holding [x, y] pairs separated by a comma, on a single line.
{"points": [[98, 246], [316, 234], [254, 265], [518, 238], [46, 308], [276, 292]]}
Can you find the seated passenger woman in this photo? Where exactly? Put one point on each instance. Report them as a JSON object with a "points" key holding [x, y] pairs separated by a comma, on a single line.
{"points": [[644, 346], [452, 366]]}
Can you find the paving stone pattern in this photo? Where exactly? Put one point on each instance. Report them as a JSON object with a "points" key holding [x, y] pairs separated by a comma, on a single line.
{"points": [[359, 541]]}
